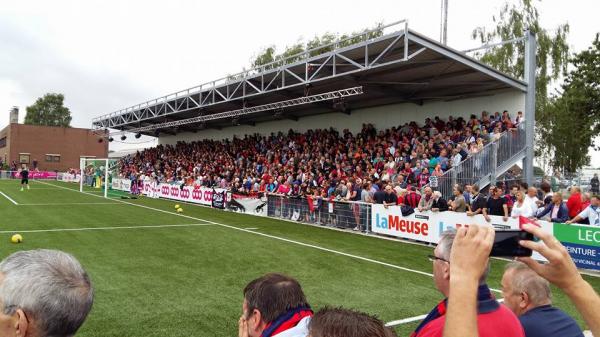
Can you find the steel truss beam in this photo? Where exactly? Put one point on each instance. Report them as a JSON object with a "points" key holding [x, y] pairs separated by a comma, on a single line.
{"points": [[299, 70], [235, 114]]}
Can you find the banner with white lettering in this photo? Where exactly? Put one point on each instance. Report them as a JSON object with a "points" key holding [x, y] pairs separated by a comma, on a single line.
{"points": [[582, 242]]}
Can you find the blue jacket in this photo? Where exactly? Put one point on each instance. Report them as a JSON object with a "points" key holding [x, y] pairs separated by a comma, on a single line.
{"points": [[561, 216]]}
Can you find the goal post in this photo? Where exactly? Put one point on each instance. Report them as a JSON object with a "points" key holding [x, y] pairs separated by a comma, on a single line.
{"points": [[96, 174]]}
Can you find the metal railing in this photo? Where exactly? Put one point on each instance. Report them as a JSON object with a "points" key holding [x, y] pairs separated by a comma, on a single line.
{"points": [[484, 166], [334, 213]]}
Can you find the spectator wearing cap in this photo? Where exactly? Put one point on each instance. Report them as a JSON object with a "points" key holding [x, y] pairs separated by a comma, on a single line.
{"points": [[528, 296]]}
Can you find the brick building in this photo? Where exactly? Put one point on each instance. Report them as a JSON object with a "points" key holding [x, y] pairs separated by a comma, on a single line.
{"points": [[53, 148]]}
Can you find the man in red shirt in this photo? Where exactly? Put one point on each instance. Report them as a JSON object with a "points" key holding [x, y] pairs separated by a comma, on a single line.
{"points": [[574, 203], [490, 314], [412, 198]]}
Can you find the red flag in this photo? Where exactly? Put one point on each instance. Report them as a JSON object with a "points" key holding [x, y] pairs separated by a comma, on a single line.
{"points": [[523, 220]]}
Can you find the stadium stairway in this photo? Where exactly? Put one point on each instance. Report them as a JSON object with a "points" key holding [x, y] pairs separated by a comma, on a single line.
{"points": [[484, 167]]}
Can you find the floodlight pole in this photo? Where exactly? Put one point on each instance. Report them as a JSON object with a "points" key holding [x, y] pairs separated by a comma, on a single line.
{"points": [[530, 67]]}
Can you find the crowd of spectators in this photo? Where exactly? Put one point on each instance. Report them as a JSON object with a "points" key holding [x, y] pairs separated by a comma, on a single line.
{"points": [[518, 200], [323, 162]]}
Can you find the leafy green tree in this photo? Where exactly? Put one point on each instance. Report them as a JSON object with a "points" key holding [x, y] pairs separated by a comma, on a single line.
{"points": [[574, 114], [325, 41], [49, 111], [552, 57]]}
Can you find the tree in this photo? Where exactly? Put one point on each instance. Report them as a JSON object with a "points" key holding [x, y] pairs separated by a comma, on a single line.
{"points": [[49, 111], [574, 114], [325, 41], [552, 57]]}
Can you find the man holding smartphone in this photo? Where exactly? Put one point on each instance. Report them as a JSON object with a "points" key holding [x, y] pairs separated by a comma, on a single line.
{"points": [[490, 314]]}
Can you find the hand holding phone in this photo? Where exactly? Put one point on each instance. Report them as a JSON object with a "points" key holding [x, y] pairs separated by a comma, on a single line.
{"points": [[506, 243]]}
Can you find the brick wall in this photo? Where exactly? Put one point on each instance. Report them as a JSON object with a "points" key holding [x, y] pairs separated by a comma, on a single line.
{"points": [[40, 141]]}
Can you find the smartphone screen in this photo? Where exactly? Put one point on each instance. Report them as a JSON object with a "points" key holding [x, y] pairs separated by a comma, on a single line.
{"points": [[506, 243]]}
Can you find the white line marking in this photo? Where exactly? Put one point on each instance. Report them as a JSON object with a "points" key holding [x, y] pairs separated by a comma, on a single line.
{"points": [[262, 234], [269, 236], [101, 228], [413, 319], [252, 228], [7, 197], [71, 203], [404, 321]]}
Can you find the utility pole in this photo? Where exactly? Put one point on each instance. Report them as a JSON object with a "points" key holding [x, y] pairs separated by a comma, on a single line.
{"points": [[444, 22]]}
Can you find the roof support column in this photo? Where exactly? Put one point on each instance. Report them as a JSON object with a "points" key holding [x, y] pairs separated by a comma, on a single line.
{"points": [[530, 67]]}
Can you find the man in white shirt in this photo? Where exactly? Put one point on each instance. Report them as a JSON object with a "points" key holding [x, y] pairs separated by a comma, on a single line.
{"points": [[592, 213], [532, 200]]}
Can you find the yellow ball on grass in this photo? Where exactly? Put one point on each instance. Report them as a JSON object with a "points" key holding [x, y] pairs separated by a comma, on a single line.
{"points": [[179, 210], [177, 206], [17, 238]]}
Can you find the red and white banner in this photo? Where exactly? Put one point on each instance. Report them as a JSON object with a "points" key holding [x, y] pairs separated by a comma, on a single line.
{"points": [[196, 195], [36, 175]]}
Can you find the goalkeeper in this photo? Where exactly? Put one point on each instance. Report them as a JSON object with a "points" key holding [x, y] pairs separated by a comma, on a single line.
{"points": [[24, 177]]}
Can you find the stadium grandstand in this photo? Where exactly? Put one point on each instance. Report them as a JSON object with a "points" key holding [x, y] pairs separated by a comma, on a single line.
{"points": [[390, 148], [401, 84]]}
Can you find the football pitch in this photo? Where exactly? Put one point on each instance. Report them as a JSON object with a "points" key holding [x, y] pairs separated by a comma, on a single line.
{"points": [[161, 273]]}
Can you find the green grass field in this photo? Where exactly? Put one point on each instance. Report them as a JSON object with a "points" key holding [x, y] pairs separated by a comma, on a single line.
{"points": [[168, 274]]}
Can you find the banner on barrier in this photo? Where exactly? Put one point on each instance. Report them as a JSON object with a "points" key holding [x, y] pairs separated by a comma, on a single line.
{"points": [[248, 204], [69, 178], [582, 242]]}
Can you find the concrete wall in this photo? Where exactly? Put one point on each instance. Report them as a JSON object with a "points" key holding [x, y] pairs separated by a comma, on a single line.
{"points": [[38, 141], [382, 117]]}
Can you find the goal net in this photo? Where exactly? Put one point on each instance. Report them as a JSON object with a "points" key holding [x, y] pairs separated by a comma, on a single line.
{"points": [[97, 175]]}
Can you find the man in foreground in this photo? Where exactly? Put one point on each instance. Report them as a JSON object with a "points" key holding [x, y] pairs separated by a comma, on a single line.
{"points": [[43, 293], [339, 322], [490, 314], [470, 257], [274, 305], [528, 295]]}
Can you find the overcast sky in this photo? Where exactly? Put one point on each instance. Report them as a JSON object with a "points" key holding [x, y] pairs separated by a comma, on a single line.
{"points": [[110, 54]]}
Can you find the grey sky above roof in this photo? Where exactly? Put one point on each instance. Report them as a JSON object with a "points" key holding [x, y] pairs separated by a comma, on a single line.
{"points": [[106, 55]]}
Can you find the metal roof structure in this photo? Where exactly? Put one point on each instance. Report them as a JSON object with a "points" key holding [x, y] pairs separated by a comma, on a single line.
{"points": [[401, 66]]}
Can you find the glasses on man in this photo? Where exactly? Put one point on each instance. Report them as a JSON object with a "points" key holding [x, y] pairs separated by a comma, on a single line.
{"points": [[432, 258]]}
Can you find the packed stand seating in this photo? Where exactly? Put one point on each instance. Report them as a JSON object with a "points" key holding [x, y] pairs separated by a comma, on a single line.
{"points": [[323, 162]]}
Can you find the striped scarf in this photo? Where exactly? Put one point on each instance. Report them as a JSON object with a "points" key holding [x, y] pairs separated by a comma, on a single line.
{"points": [[286, 321]]}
